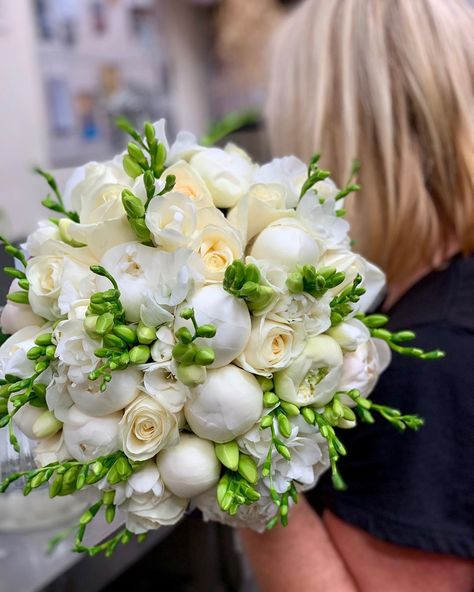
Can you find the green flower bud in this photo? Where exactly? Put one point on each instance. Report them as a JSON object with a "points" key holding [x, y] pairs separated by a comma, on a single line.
{"points": [[140, 228], [137, 154], [248, 469], [284, 425], [18, 297], [204, 356], [294, 282], [90, 324], [228, 454], [46, 425], [283, 450], [35, 352], [44, 339], [186, 313], [252, 273], [183, 352], [41, 366], [348, 414], [266, 422], [375, 320], [270, 399], [133, 206], [290, 409], [337, 408], [146, 335], [262, 300], [140, 354], [109, 514], [63, 227], [111, 340], [308, 414], [160, 157], [50, 352], [206, 331], [105, 323], [249, 290], [131, 167], [222, 488], [149, 132], [266, 384], [191, 375], [128, 334], [56, 486], [184, 335]]}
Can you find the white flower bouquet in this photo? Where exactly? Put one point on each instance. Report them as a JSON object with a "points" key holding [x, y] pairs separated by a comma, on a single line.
{"points": [[191, 332]]}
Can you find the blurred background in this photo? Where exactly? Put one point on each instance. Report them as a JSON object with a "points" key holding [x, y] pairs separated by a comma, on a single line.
{"points": [[68, 69]]}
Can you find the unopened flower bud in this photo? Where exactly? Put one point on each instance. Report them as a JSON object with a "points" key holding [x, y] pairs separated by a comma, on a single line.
{"points": [[46, 425], [128, 334], [248, 469], [140, 354], [228, 454], [191, 375], [204, 356], [146, 335], [104, 323]]}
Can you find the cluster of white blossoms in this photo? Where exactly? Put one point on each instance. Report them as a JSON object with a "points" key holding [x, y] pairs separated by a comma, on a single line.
{"points": [[191, 331]]}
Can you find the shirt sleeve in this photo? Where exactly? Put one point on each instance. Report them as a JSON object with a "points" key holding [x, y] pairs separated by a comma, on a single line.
{"points": [[415, 489]]}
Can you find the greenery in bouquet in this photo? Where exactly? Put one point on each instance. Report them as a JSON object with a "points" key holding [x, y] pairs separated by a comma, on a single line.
{"points": [[191, 330]]}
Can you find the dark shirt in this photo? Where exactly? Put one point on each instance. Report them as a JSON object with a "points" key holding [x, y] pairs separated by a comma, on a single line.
{"points": [[416, 489]]}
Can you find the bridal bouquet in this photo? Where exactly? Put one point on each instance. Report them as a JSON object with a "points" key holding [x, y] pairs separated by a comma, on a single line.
{"points": [[191, 331]]}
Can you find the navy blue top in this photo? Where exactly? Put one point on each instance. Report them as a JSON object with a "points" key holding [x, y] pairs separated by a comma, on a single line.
{"points": [[416, 489]]}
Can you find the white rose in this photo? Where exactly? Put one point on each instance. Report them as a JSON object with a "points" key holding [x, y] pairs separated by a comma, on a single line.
{"points": [[51, 450], [120, 392], [76, 348], [171, 220], [313, 378], [350, 334], [189, 183], [87, 437], [362, 368], [272, 346], [230, 315], [262, 205], [161, 350], [353, 264], [226, 405], [18, 316], [45, 231], [147, 427], [95, 191], [285, 242], [58, 278], [160, 383], [145, 513], [227, 173], [321, 221], [289, 171], [190, 467], [218, 244]]}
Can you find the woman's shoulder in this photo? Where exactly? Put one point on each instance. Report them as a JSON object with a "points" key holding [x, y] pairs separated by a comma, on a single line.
{"points": [[445, 297]]}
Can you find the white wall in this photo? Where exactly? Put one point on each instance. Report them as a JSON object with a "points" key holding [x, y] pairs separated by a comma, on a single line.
{"points": [[23, 135]]}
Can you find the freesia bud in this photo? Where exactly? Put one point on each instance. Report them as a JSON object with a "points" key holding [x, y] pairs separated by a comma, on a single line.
{"points": [[228, 454], [192, 375], [46, 425], [146, 335], [140, 354]]}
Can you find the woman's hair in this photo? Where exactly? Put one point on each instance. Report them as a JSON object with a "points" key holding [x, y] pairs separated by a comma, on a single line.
{"points": [[390, 82]]}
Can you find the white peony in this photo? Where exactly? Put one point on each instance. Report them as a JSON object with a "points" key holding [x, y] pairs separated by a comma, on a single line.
{"points": [[148, 512], [87, 437], [230, 315], [272, 346], [190, 467], [227, 173], [313, 378], [120, 392], [226, 405], [285, 242], [160, 383], [362, 367], [147, 427], [17, 316]]}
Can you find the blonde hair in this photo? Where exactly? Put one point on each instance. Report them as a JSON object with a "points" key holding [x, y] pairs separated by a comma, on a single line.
{"points": [[391, 83]]}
